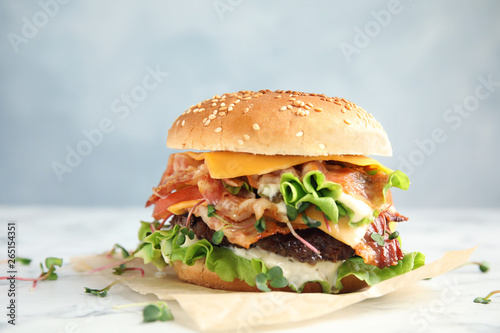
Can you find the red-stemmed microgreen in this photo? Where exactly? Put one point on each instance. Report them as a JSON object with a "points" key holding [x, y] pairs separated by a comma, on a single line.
{"points": [[274, 277], [104, 291], [117, 263], [302, 240], [122, 269], [50, 264], [219, 234], [486, 300]]}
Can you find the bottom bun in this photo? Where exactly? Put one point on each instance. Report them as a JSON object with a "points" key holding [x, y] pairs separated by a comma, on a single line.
{"points": [[200, 275]]}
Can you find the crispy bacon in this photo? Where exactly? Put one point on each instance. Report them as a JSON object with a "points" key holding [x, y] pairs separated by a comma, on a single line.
{"points": [[241, 211], [355, 181], [382, 256]]}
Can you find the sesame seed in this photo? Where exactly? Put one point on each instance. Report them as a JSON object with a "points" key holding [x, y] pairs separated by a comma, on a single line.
{"points": [[322, 146], [299, 134], [343, 110], [189, 111], [198, 105], [246, 136], [215, 112], [246, 110], [318, 109], [279, 96], [347, 121], [240, 142], [183, 122], [292, 99], [215, 100], [246, 98], [348, 107], [214, 104], [307, 107], [224, 108], [177, 123], [230, 108], [283, 108], [256, 127], [218, 129], [289, 107], [337, 102], [237, 101], [222, 104], [207, 122], [216, 96], [204, 120], [310, 104], [222, 114], [211, 117]]}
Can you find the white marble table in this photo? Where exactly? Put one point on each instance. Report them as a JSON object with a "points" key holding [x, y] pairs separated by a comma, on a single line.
{"points": [[437, 305]]}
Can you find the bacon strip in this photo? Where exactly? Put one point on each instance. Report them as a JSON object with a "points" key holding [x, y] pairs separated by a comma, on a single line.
{"points": [[381, 256], [241, 211]]}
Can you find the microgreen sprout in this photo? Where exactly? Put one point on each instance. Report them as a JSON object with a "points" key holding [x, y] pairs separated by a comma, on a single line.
{"points": [[184, 232], [218, 236], [125, 253], [157, 311], [152, 311], [275, 278], [484, 266], [394, 235], [23, 261], [260, 224], [311, 223], [50, 264], [378, 238], [486, 300], [104, 291]]}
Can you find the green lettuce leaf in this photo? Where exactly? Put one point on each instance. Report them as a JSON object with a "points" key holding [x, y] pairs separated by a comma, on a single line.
{"points": [[229, 266], [314, 189], [372, 274], [222, 261], [397, 179]]}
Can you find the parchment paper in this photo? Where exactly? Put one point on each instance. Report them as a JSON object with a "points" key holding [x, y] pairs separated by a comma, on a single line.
{"points": [[224, 310]]}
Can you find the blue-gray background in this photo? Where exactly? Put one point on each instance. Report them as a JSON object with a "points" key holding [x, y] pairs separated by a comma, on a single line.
{"points": [[66, 67]]}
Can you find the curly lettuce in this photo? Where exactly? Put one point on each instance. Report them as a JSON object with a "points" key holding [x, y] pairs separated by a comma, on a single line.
{"points": [[170, 244], [372, 274]]}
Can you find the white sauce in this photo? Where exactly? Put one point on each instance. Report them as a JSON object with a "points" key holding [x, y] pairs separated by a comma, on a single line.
{"points": [[360, 209], [297, 273], [269, 190]]}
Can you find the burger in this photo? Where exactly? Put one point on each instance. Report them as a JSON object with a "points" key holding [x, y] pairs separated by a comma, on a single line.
{"points": [[273, 190]]}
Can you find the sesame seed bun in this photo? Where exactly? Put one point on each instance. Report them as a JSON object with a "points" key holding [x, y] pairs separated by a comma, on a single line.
{"points": [[279, 123], [200, 275]]}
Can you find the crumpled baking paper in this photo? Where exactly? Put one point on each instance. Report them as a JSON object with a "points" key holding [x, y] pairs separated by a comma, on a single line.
{"points": [[214, 310]]}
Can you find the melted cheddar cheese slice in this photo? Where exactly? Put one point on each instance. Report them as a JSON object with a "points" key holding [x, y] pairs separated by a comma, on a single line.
{"points": [[224, 164]]}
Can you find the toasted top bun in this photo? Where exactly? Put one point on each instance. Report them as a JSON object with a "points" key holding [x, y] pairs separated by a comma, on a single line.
{"points": [[279, 123]]}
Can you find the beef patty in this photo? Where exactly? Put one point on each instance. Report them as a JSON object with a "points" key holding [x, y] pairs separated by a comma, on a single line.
{"points": [[330, 248]]}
